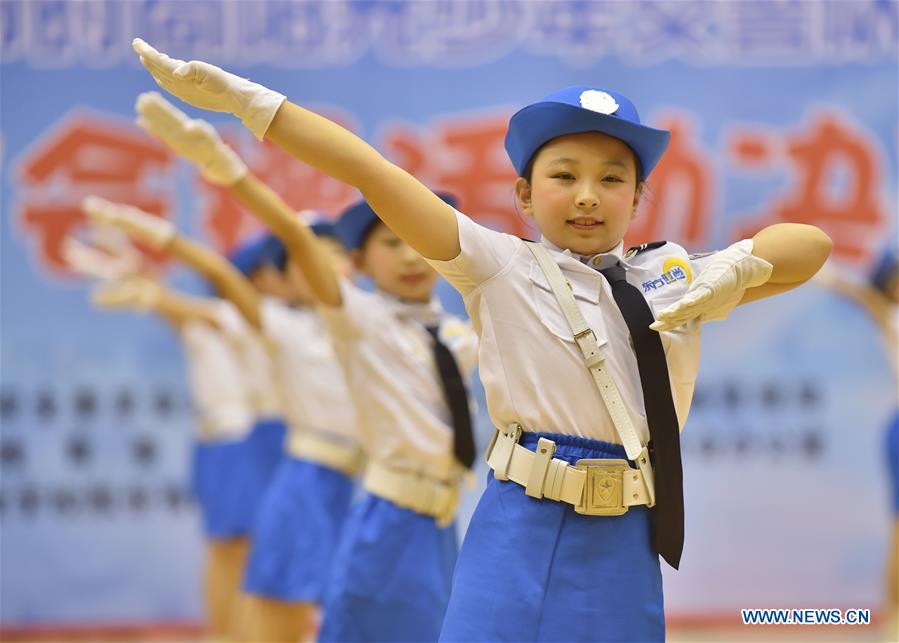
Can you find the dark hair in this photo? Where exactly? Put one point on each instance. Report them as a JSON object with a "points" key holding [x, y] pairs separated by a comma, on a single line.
{"points": [[366, 234]]}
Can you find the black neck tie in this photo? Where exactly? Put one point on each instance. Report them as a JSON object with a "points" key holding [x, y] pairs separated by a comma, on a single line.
{"points": [[456, 398], [664, 432]]}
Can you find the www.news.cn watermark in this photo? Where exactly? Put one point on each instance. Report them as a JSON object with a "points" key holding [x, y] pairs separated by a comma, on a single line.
{"points": [[787, 616]]}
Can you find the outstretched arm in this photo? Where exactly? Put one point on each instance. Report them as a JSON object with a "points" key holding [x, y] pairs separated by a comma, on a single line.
{"points": [[795, 251], [775, 260], [877, 305], [198, 142], [161, 234], [303, 247], [101, 260], [224, 276], [142, 294], [410, 209]]}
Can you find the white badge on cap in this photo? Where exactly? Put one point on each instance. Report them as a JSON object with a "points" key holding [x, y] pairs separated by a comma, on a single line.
{"points": [[598, 101], [310, 217]]}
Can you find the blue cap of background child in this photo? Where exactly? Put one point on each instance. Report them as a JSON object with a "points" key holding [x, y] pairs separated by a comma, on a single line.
{"points": [[266, 249], [582, 109], [357, 221], [885, 270], [320, 224]]}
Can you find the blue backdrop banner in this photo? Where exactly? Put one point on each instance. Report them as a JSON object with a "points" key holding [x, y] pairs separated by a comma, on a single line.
{"points": [[779, 111]]}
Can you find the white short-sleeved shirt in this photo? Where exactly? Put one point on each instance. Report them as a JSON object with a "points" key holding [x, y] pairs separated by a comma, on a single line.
{"points": [[532, 371], [387, 354], [217, 383], [255, 353], [312, 384]]}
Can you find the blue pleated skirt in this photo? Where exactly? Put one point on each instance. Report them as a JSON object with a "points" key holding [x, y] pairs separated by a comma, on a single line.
{"points": [[391, 578], [229, 478], [268, 438], [892, 453], [297, 529], [534, 570]]}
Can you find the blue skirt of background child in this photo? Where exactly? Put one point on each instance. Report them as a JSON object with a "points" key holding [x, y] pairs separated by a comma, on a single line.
{"points": [[534, 570], [230, 476], [892, 452], [268, 438], [391, 578], [298, 527]]}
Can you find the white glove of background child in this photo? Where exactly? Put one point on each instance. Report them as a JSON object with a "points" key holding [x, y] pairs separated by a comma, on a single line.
{"points": [[90, 261], [193, 139], [719, 286], [115, 242], [155, 231], [208, 87], [133, 293]]}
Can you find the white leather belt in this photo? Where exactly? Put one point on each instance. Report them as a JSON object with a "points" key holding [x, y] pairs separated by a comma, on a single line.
{"points": [[595, 487], [309, 446], [422, 494]]}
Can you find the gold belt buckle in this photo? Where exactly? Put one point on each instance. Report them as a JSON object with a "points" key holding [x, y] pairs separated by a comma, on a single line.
{"points": [[603, 487]]}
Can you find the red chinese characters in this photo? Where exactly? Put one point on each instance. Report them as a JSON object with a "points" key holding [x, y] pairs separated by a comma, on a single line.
{"points": [[466, 158], [678, 203], [301, 186], [836, 182], [85, 155]]}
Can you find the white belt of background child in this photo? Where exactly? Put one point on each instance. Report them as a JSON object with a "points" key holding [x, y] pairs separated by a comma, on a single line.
{"points": [[307, 445], [601, 487], [420, 493], [225, 427]]}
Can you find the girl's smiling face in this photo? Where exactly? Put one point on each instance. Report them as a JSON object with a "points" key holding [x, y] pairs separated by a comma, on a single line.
{"points": [[394, 266], [583, 191]]}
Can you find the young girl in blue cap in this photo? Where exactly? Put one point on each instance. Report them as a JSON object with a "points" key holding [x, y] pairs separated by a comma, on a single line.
{"points": [[418, 486], [586, 490], [303, 511], [239, 441], [406, 363]]}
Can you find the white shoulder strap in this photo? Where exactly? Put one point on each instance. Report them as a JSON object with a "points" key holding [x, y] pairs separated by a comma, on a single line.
{"points": [[586, 341]]}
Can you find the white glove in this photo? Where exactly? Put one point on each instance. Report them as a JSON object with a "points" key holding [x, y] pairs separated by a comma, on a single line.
{"points": [[718, 288], [155, 231], [116, 243], [208, 87], [90, 261], [134, 293], [193, 139]]}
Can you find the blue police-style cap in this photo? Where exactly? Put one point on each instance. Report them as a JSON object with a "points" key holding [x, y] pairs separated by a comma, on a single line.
{"points": [[885, 270], [582, 109], [319, 223], [325, 229], [266, 249], [357, 221]]}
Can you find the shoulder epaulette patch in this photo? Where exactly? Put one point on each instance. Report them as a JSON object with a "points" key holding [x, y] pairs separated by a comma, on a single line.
{"points": [[635, 250]]}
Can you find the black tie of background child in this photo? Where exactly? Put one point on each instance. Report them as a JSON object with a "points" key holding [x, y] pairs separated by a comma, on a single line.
{"points": [[456, 398], [664, 431]]}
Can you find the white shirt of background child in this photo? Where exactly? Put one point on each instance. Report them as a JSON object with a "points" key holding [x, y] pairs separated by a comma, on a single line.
{"points": [[531, 368], [313, 387], [255, 353], [388, 358], [217, 383]]}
